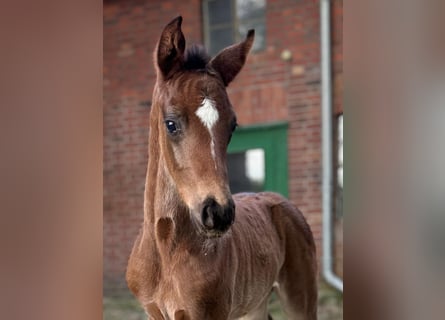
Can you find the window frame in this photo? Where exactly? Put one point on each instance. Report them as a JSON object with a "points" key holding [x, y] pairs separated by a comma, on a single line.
{"points": [[234, 24]]}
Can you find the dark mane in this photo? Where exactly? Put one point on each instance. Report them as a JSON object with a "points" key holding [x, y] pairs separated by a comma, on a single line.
{"points": [[196, 58]]}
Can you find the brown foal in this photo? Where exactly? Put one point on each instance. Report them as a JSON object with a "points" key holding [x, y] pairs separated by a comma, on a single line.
{"points": [[201, 253]]}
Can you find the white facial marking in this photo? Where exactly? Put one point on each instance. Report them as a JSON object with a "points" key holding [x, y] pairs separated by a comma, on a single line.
{"points": [[208, 115]]}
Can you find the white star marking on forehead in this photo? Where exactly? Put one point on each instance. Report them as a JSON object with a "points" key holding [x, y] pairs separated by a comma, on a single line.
{"points": [[207, 113]]}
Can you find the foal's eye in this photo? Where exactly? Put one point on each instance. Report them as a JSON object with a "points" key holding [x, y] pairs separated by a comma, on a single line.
{"points": [[171, 127]]}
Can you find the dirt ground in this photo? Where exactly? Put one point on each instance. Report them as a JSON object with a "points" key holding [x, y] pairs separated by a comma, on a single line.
{"points": [[330, 306]]}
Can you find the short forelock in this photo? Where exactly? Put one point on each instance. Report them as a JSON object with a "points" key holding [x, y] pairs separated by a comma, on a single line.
{"points": [[196, 58]]}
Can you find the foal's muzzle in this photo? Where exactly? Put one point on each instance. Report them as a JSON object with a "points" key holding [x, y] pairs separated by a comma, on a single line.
{"points": [[215, 218]]}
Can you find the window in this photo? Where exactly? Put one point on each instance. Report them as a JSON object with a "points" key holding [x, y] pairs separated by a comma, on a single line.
{"points": [[227, 22], [257, 159], [246, 170], [339, 168], [338, 192]]}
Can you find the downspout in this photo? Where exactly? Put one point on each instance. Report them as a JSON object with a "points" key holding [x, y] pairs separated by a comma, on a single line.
{"points": [[326, 144]]}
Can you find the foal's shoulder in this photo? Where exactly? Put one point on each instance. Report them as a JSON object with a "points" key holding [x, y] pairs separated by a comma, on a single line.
{"points": [[272, 203], [283, 214]]}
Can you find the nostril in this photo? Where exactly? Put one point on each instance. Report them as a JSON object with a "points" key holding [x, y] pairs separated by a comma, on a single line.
{"points": [[207, 217]]}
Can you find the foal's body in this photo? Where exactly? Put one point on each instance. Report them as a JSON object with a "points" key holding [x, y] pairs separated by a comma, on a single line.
{"points": [[232, 276], [192, 259]]}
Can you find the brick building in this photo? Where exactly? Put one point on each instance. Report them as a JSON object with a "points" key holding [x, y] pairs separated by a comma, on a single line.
{"points": [[276, 98]]}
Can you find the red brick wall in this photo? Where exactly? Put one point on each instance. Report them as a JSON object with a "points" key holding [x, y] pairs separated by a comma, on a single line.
{"points": [[267, 90]]}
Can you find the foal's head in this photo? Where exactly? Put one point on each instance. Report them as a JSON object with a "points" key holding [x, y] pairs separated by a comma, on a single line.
{"points": [[195, 121]]}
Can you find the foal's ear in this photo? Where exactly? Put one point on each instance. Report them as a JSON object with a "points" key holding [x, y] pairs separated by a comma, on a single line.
{"points": [[229, 61], [170, 50]]}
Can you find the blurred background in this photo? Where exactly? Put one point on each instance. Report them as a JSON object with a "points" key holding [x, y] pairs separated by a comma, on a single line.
{"points": [[278, 98]]}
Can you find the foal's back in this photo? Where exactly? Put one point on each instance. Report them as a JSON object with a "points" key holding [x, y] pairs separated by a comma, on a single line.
{"points": [[277, 248]]}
